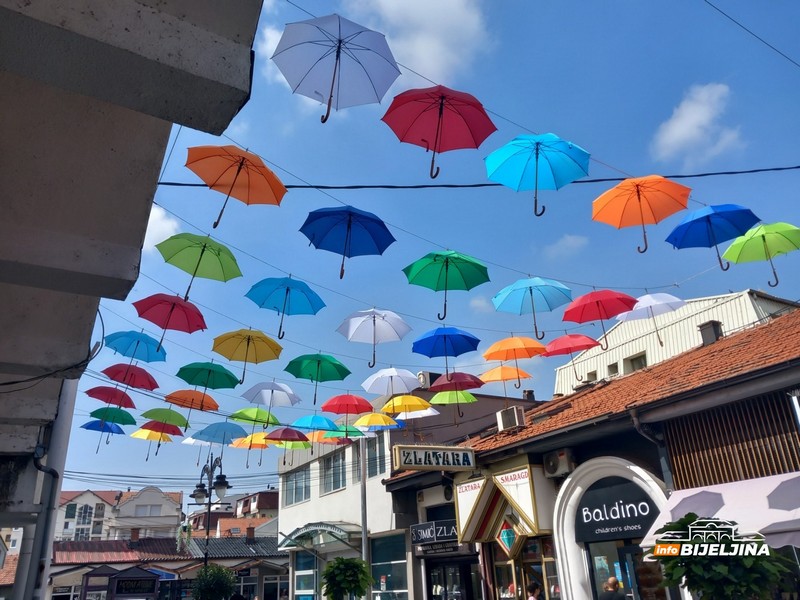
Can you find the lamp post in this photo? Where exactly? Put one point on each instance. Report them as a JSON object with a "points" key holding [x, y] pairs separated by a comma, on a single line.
{"points": [[202, 493]]}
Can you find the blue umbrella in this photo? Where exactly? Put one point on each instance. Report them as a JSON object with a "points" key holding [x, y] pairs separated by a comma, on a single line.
{"points": [[711, 225], [136, 345], [524, 295], [102, 427], [445, 341], [315, 423], [534, 162], [220, 433], [286, 296], [347, 231]]}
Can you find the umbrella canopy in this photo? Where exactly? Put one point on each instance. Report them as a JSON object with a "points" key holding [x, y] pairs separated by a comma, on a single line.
{"points": [[445, 341], [208, 375], [192, 399], [640, 201], [514, 348], [344, 431], [569, 343], [405, 403], [316, 368], [151, 436], [347, 231], [650, 306], [255, 415], [247, 346], [456, 381], [598, 305], [166, 415], [271, 393], [318, 437], [314, 423], [457, 397], [200, 256], [170, 312], [438, 119], [252, 441], [286, 434], [525, 295], [391, 381], [103, 427], [347, 404], [416, 414], [764, 242], [374, 327], [220, 433], [537, 162], [332, 52], [136, 345], [160, 427], [113, 415], [505, 373], [375, 422], [446, 270], [712, 225], [131, 375], [236, 173], [111, 395], [285, 296]]}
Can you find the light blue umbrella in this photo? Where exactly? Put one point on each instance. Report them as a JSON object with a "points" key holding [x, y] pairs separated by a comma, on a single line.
{"points": [[285, 296], [136, 345], [534, 162], [220, 433], [524, 295], [314, 423]]}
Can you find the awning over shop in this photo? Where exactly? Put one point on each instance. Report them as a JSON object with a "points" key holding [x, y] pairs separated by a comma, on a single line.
{"points": [[766, 505], [319, 535]]}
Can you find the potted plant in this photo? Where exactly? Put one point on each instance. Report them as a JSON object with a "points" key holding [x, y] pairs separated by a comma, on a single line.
{"points": [[213, 582], [345, 576]]}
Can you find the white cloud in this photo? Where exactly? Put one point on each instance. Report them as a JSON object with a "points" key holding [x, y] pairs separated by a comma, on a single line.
{"points": [[566, 246], [694, 131], [481, 304], [266, 42], [160, 226]]}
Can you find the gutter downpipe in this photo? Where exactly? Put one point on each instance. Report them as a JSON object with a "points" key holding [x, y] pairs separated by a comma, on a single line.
{"points": [[662, 450]]}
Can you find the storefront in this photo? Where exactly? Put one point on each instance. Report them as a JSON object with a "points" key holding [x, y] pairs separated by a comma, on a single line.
{"points": [[451, 570]]}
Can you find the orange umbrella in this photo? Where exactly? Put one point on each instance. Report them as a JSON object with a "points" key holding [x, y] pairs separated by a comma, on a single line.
{"points": [[236, 173], [192, 399], [504, 373], [640, 201], [514, 348]]}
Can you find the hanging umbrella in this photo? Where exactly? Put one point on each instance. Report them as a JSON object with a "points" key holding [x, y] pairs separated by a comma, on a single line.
{"points": [[537, 162], [347, 404], [314, 423], [374, 326], [347, 231], [416, 414], [405, 403], [456, 380], [598, 306], [161, 427], [640, 201], [131, 375], [199, 256], [505, 373], [438, 119], [113, 415], [208, 375], [236, 173], [103, 427], [150, 437], [166, 415], [248, 346], [111, 395], [318, 437], [256, 440], [375, 422], [316, 368], [457, 397], [763, 242], [271, 393], [330, 51], [220, 433], [569, 343], [344, 431], [447, 270], [255, 415], [445, 341], [170, 312], [286, 434], [192, 399], [513, 348], [524, 295], [285, 296], [650, 306], [136, 345], [390, 381], [712, 225]]}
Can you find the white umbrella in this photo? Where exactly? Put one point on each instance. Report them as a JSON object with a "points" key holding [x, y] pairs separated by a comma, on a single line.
{"points": [[391, 381], [416, 414], [374, 326], [271, 393], [651, 305]]}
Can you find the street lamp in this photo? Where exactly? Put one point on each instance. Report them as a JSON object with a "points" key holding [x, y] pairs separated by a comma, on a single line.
{"points": [[202, 494]]}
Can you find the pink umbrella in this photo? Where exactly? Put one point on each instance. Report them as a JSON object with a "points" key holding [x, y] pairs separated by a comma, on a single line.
{"points": [[569, 343], [598, 306]]}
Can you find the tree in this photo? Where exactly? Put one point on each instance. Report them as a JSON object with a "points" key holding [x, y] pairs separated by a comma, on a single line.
{"points": [[213, 582], [717, 577], [345, 576]]}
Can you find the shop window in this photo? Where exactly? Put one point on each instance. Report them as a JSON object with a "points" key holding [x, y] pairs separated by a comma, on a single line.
{"points": [[376, 456], [539, 566], [66, 592], [389, 564], [333, 472], [276, 587], [297, 486], [247, 586], [305, 576]]}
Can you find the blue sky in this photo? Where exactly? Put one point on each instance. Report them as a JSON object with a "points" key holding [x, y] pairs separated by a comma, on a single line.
{"points": [[645, 87]]}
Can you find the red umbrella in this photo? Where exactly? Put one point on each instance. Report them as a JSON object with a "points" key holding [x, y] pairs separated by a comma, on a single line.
{"points": [[286, 434], [161, 427], [131, 375], [347, 404], [111, 395], [438, 119], [567, 344], [170, 312], [597, 306], [456, 381]]}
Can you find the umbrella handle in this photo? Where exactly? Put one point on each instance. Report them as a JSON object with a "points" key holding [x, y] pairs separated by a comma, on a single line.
{"points": [[536, 210], [327, 114], [574, 369], [644, 234], [775, 273], [724, 265], [536, 185], [434, 173], [443, 316]]}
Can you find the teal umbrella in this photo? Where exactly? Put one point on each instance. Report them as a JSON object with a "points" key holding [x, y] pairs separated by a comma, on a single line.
{"points": [[316, 368], [208, 375]]}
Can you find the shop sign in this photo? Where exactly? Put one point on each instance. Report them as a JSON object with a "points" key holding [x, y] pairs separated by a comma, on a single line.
{"points": [[243, 572], [433, 458], [614, 509], [438, 548], [127, 587], [434, 531]]}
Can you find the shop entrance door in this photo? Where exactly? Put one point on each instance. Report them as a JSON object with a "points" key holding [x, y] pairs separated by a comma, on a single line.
{"points": [[642, 579], [629, 557], [453, 581]]}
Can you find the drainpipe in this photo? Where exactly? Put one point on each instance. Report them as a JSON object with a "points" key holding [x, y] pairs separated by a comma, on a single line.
{"points": [[663, 458]]}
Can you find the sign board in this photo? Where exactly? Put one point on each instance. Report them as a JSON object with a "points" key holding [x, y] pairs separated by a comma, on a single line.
{"points": [[129, 587], [517, 486], [243, 572], [440, 548], [434, 531], [433, 458], [614, 509]]}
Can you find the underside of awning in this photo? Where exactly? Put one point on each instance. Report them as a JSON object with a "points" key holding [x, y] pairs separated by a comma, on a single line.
{"points": [[766, 505], [317, 535]]}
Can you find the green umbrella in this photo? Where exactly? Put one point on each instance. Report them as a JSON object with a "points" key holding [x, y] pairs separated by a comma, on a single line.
{"points": [[763, 242], [457, 397], [166, 415], [254, 415], [208, 375], [316, 368], [344, 431], [447, 270], [200, 256], [110, 414]]}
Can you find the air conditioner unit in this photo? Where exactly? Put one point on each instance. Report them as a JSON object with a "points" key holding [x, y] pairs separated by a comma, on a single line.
{"points": [[558, 463], [509, 418]]}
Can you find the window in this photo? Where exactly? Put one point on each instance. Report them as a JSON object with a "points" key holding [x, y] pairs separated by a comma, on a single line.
{"points": [[613, 369], [85, 514], [297, 486], [305, 576], [591, 376], [13, 543], [634, 363], [97, 528], [8, 537], [81, 534], [70, 512], [147, 510], [333, 472], [99, 511], [389, 569], [376, 456]]}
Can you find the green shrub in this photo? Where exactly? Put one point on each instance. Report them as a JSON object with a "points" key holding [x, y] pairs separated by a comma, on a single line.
{"points": [[345, 576], [214, 582]]}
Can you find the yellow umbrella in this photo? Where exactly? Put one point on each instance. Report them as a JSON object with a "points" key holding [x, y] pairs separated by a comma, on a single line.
{"points": [[375, 422], [256, 440], [247, 346], [151, 436], [405, 403]]}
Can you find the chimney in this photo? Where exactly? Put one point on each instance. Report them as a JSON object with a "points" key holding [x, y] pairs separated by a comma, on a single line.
{"points": [[250, 536], [528, 395], [710, 332], [134, 541]]}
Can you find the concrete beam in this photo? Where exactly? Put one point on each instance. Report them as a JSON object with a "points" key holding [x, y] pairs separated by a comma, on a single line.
{"points": [[17, 440], [171, 60], [29, 405]]}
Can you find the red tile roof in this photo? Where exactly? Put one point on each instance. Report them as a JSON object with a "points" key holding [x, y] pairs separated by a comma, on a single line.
{"points": [[759, 348], [107, 496], [225, 525], [176, 497], [117, 551], [9, 571]]}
